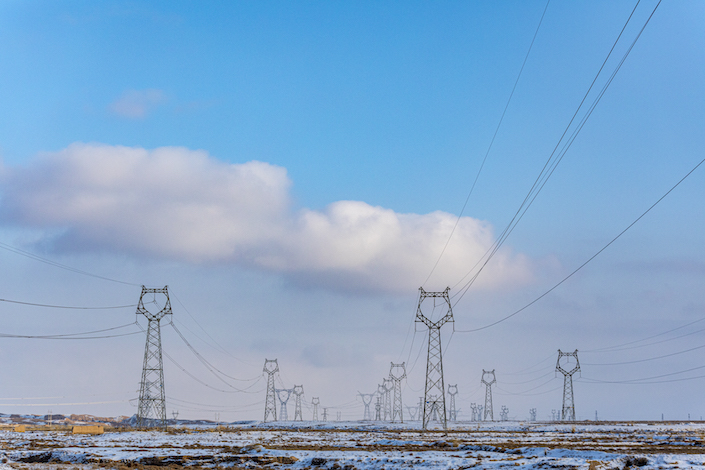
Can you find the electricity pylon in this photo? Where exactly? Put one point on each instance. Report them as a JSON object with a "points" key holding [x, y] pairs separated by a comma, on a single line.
{"points": [[325, 414], [315, 402], [434, 359], [366, 400], [568, 411], [151, 410], [532, 414], [388, 387], [378, 408], [283, 414], [488, 393], [271, 367], [473, 409], [397, 372], [411, 411], [453, 391], [479, 412], [298, 391], [504, 413]]}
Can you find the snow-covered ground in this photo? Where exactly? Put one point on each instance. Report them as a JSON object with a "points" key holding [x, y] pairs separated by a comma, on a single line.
{"points": [[360, 445]]}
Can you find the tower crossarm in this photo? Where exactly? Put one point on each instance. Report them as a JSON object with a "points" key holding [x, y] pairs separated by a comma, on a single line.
{"points": [[448, 317], [560, 368]]}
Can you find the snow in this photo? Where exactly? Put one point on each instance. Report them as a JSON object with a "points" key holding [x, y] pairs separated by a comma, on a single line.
{"points": [[357, 445]]}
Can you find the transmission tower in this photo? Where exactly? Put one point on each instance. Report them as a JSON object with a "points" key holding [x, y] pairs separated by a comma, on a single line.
{"points": [[298, 391], [488, 392], [479, 412], [366, 400], [473, 409], [325, 414], [283, 414], [378, 408], [504, 413], [315, 402], [388, 388], [151, 410], [434, 359], [452, 392], [397, 372], [271, 367], [532, 414], [568, 411], [411, 411], [554, 415]]}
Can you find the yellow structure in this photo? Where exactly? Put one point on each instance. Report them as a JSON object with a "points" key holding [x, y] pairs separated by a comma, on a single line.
{"points": [[87, 430]]}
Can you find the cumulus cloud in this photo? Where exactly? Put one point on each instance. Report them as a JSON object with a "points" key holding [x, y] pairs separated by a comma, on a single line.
{"points": [[137, 104], [182, 204]]}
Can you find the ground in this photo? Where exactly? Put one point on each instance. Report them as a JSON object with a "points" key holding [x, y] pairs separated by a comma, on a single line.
{"points": [[366, 445]]}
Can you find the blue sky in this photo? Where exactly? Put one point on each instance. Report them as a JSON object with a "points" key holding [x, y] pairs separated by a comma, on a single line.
{"points": [[293, 170]]}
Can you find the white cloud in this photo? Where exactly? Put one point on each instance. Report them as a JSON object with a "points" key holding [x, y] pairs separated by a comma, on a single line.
{"points": [[181, 204], [137, 104]]}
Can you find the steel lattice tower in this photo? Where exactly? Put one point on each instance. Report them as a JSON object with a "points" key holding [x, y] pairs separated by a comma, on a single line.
{"points": [[568, 411], [378, 408], [434, 359], [411, 411], [298, 391], [151, 410], [315, 402], [271, 367], [532, 414], [283, 414], [488, 393], [388, 387], [366, 400], [504, 413], [453, 391], [473, 409], [397, 372]]}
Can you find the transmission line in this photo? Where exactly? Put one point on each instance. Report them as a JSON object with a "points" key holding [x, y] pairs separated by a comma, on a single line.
{"points": [[65, 306], [552, 163], [211, 367], [649, 359], [619, 347], [494, 136], [219, 347], [75, 336], [27, 254]]}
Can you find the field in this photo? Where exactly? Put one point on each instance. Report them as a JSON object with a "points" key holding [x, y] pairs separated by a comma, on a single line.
{"points": [[365, 445]]}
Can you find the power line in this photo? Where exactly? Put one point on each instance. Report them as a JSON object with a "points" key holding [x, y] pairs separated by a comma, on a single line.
{"points": [[552, 163], [219, 347], [646, 379], [210, 366], [66, 307], [591, 258], [494, 136], [619, 346], [75, 336], [649, 359], [56, 264]]}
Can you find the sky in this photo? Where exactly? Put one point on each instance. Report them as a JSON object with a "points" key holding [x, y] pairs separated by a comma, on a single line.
{"points": [[295, 171]]}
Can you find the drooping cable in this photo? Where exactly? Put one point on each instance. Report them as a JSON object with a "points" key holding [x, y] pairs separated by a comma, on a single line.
{"points": [[589, 259], [214, 370], [489, 148], [554, 158], [76, 336], [65, 306], [27, 254]]}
